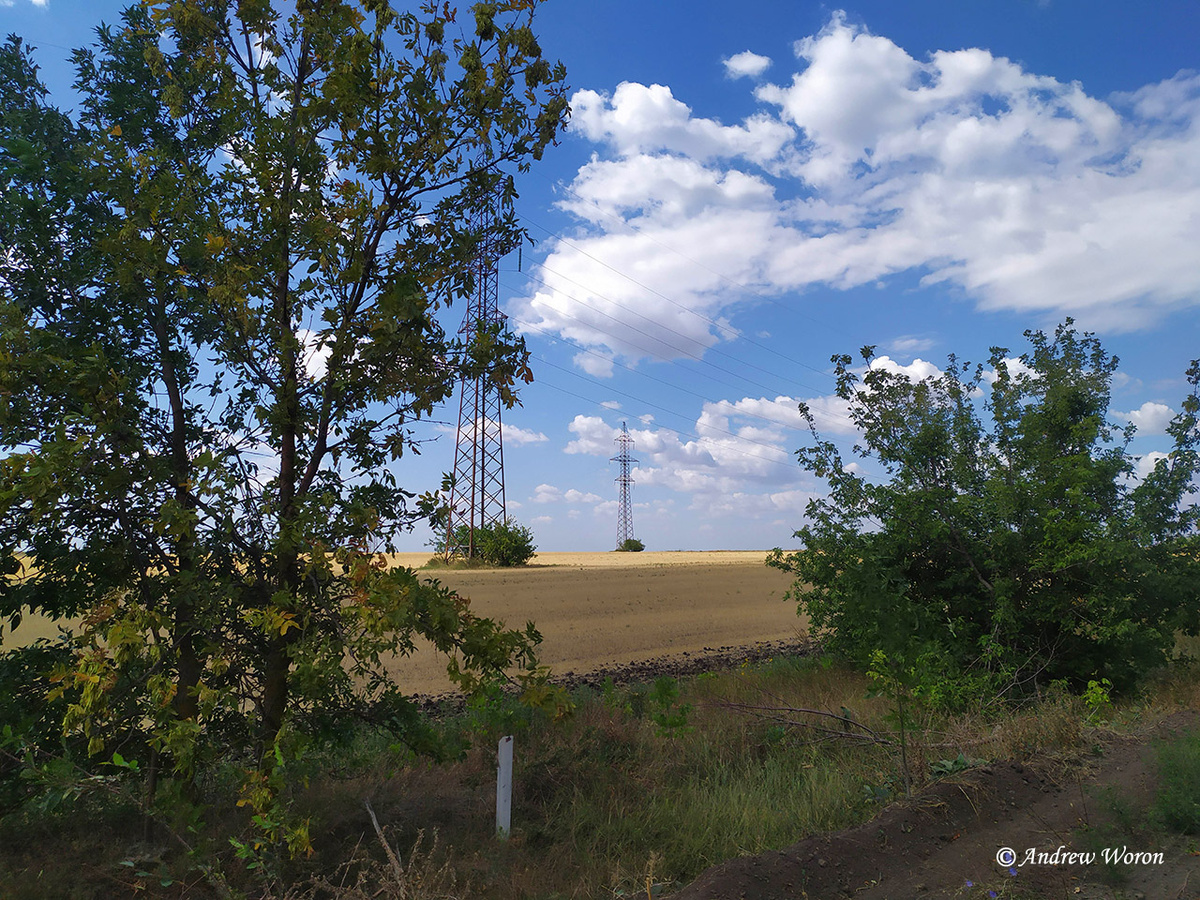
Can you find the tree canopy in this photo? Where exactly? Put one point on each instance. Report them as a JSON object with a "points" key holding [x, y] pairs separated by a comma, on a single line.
{"points": [[1004, 552], [219, 295]]}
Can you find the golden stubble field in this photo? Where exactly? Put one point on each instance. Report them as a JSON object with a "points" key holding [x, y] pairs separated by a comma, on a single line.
{"points": [[602, 609]]}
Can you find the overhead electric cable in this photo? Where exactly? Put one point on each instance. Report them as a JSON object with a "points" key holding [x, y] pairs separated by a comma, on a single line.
{"points": [[620, 365], [703, 318], [707, 399], [733, 281], [698, 360], [676, 303], [685, 434], [682, 351], [671, 412]]}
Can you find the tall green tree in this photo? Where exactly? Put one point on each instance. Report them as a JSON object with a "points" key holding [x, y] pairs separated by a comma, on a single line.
{"points": [[1002, 540], [220, 331]]}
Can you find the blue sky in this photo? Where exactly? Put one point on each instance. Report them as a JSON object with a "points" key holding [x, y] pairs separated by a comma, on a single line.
{"points": [[748, 188]]}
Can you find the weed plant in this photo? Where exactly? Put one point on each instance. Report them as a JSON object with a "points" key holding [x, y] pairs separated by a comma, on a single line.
{"points": [[1177, 805], [634, 793]]}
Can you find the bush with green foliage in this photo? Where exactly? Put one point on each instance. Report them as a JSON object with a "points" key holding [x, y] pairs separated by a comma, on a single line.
{"points": [[499, 544], [1000, 555], [631, 545], [30, 725], [505, 544]]}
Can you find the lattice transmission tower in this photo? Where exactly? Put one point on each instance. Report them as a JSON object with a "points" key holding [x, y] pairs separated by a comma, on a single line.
{"points": [[624, 487], [477, 492]]}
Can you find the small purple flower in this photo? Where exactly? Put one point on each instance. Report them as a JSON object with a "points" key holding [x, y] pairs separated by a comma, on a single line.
{"points": [[970, 884], [992, 893], [1012, 870]]}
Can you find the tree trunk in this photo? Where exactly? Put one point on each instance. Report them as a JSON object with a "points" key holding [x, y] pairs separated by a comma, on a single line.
{"points": [[187, 660]]}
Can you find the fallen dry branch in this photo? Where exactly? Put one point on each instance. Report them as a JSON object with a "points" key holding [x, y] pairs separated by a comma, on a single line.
{"points": [[783, 714]]}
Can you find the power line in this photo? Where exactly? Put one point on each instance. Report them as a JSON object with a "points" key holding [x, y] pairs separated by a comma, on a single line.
{"points": [[686, 434], [740, 412], [682, 351], [673, 302], [625, 223], [703, 362]]}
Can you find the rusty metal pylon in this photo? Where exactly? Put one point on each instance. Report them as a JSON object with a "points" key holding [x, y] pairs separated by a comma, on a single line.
{"points": [[477, 491]]}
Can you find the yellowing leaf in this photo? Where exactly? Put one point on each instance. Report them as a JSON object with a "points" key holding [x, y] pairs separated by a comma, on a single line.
{"points": [[287, 620]]}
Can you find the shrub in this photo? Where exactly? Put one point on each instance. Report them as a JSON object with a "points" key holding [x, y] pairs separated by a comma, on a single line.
{"points": [[499, 544], [631, 545], [1004, 554]]}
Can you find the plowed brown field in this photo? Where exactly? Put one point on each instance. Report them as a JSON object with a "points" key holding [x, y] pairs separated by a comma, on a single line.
{"points": [[601, 609]]}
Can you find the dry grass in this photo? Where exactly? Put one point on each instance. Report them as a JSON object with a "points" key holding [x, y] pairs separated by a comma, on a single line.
{"points": [[609, 802]]}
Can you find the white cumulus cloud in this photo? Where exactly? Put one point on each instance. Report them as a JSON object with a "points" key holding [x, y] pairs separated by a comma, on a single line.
{"points": [[1022, 191], [519, 437], [1150, 417], [910, 343], [746, 64]]}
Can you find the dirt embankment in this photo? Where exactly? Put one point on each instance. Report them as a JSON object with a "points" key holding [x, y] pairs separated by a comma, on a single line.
{"points": [[949, 841]]}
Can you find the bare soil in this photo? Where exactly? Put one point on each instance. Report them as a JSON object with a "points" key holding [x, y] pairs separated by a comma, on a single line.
{"points": [[944, 842], [603, 611]]}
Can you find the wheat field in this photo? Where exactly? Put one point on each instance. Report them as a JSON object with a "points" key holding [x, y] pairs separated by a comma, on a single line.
{"points": [[600, 609]]}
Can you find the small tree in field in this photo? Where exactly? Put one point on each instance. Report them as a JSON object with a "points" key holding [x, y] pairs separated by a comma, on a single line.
{"points": [[1002, 553], [219, 296]]}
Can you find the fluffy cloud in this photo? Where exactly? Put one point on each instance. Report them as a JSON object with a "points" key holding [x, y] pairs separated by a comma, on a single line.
{"points": [[517, 437], [782, 509], [737, 469], [1150, 418], [548, 493], [511, 435], [1015, 366], [911, 344], [1145, 464], [917, 370], [746, 65], [314, 353], [1018, 189], [739, 445], [640, 118]]}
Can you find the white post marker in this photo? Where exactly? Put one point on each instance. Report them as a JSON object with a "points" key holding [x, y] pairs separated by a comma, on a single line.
{"points": [[504, 770]]}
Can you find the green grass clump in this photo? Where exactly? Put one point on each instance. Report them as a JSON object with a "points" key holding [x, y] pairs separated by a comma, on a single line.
{"points": [[636, 791], [1178, 802]]}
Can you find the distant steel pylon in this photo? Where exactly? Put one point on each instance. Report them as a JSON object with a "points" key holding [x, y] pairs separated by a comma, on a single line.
{"points": [[477, 491], [624, 487]]}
